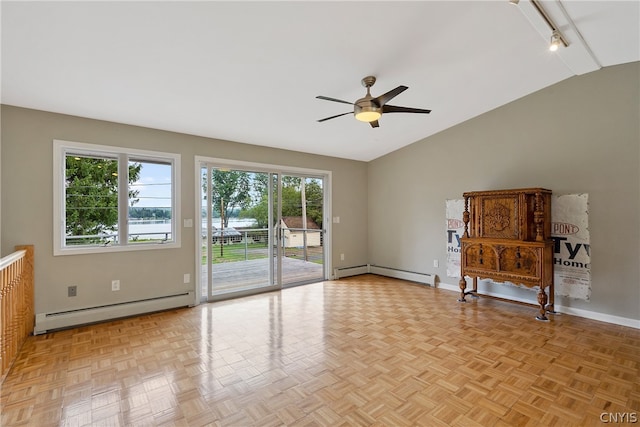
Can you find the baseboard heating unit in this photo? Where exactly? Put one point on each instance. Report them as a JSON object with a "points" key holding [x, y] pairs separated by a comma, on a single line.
{"points": [[339, 273], [412, 276], [82, 316]]}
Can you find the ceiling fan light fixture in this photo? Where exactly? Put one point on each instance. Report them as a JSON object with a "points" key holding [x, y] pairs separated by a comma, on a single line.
{"points": [[368, 115], [370, 109]]}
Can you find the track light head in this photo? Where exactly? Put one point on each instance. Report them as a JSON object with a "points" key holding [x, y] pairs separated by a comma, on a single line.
{"points": [[555, 41]]}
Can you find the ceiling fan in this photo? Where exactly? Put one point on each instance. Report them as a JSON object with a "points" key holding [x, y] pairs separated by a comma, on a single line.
{"points": [[369, 109]]}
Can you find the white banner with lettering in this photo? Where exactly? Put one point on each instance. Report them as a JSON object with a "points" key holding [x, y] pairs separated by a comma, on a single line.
{"points": [[570, 233]]}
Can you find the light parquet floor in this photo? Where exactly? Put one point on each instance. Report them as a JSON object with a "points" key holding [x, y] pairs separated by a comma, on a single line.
{"points": [[361, 351]]}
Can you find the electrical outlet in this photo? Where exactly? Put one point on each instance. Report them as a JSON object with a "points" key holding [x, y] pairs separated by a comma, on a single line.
{"points": [[187, 278], [115, 285], [72, 291], [341, 257], [436, 263]]}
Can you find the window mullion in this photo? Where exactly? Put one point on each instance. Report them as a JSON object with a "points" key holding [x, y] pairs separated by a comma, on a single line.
{"points": [[123, 199]]}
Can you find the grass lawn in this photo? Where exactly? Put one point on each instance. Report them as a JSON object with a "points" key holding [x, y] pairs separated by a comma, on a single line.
{"points": [[240, 252]]}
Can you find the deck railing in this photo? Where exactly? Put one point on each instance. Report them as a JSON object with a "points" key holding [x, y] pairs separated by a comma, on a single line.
{"points": [[253, 243], [16, 304]]}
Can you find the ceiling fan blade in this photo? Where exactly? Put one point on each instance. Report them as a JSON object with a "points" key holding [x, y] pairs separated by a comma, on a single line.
{"points": [[394, 109], [374, 124], [326, 98], [333, 117], [386, 97]]}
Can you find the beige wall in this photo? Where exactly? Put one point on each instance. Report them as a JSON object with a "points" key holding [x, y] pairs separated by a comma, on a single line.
{"points": [[581, 135], [27, 205]]}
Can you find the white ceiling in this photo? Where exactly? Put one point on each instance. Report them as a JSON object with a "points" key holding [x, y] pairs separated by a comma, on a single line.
{"points": [[250, 71]]}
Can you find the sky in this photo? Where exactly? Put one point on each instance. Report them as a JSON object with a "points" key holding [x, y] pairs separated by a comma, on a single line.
{"points": [[154, 185]]}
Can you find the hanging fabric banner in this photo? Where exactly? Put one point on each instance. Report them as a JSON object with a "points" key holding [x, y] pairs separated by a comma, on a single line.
{"points": [[455, 229], [572, 250]]}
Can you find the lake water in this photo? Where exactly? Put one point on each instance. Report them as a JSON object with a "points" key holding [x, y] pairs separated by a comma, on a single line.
{"points": [[162, 227]]}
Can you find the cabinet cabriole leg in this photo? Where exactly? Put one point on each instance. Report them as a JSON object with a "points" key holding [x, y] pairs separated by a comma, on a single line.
{"points": [[463, 285], [552, 294], [542, 300]]}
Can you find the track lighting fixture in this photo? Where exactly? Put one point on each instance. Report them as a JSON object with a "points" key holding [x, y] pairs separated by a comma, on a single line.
{"points": [[557, 38], [555, 41]]}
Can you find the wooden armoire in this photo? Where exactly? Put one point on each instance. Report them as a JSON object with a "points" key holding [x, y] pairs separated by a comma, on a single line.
{"points": [[507, 238]]}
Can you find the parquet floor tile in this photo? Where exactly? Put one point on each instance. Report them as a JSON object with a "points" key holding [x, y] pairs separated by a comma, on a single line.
{"points": [[363, 351]]}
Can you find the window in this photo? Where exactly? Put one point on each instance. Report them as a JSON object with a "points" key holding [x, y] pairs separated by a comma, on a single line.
{"points": [[114, 199]]}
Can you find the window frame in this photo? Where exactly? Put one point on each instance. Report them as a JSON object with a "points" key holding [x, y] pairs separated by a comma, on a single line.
{"points": [[60, 151]]}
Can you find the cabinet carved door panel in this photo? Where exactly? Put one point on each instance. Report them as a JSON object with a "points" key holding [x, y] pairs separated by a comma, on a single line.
{"points": [[499, 217], [521, 261]]}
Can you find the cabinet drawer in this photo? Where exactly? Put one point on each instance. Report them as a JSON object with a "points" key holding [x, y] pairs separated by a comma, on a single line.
{"points": [[510, 262], [480, 256], [523, 261]]}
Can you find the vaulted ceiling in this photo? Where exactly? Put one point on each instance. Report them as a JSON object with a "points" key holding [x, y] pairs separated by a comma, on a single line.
{"points": [[250, 71]]}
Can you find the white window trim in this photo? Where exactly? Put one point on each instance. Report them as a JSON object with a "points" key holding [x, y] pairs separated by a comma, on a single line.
{"points": [[60, 149]]}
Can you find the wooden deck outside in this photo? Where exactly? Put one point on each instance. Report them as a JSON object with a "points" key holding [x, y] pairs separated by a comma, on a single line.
{"points": [[252, 274]]}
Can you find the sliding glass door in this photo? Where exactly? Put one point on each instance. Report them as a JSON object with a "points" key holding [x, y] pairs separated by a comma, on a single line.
{"points": [[301, 229], [259, 230]]}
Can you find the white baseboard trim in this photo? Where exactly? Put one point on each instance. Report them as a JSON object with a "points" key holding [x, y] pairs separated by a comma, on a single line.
{"points": [[593, 315], [587, 314]]}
